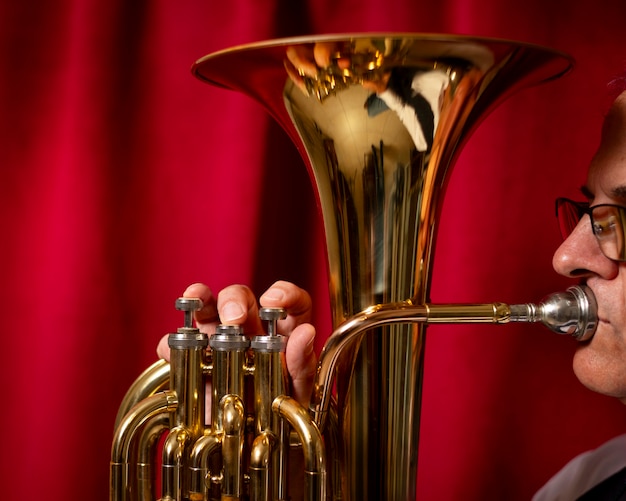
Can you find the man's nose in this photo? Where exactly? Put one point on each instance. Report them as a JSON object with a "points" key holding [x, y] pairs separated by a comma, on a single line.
{"points": [[580, 255]]}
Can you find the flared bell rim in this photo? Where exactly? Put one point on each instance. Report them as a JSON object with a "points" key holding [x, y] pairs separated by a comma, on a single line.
{"points": [[563, 61]]}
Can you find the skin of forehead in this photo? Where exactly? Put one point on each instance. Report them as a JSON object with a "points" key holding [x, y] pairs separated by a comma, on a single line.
{"points": [[606, 181]]}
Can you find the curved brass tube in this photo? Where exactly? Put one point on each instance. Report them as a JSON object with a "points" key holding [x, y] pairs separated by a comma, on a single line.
{"points": [[146, 452], [385, 314], [312, 445], [149, 407], [232, 447], [572, 312], [202, 450], [260, 458], [155, 378], [173, 462]]}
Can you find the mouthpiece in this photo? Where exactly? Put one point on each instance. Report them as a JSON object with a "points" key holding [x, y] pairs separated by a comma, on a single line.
{"points": [[571, 312]]}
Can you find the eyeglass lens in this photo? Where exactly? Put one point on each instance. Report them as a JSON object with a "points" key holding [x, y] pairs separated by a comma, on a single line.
{"points": [[608, 225]]}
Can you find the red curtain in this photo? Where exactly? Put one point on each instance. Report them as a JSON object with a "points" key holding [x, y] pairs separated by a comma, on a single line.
{"points": [[123, 179]]}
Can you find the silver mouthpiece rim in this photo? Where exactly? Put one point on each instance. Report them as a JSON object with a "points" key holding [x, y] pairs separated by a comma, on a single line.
{"points": [[572, 312], [588, 312]]}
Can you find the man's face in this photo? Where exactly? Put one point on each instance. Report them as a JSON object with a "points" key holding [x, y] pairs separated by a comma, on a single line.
{"points": [[600, 364]]}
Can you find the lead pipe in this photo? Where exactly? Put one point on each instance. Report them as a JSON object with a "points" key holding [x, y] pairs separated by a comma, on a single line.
{"points": [[572, 312]]}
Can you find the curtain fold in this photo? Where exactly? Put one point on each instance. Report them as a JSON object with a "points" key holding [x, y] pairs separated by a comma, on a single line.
{"points": [[123, 179]]}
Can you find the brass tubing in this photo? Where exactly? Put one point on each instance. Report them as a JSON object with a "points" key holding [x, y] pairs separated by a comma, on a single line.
{"points": [[186, 378], [121, 451], [203, 449], [187, 349], [572, 312], [232, 447], [270, 381], [174, 450], [313, 449], [228, 347], [402, 312], [260, 458], [228, 379], [155, 378], [146, 454], [280, 460]]}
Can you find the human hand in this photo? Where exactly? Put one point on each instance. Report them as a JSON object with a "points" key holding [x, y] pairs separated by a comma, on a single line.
{"points": [[305, 61], [236, 305], [311, 61]]}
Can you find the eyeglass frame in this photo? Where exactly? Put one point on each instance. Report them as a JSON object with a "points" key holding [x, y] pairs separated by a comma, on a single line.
{"points": [[583, 208]]}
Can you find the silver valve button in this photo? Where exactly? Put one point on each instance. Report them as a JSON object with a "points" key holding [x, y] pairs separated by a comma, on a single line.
{"points": [[189, 305], [188, 336], [272, 342], [272, 316]]}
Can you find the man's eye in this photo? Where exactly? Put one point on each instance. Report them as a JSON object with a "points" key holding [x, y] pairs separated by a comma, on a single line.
{"points": [[604, 227]]}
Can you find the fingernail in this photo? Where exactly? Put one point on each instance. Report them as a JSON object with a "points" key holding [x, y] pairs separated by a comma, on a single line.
{"points": [[230, 312], [274, 294]]}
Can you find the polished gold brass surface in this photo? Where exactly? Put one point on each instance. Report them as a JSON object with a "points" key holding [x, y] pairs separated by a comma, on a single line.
{"points": [[379, 120], [314, 472]]}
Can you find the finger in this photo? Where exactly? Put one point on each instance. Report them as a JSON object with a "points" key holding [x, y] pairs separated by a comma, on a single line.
{"points": [[206, 318], [163, 349], [301, 361], [297, 79], [236, 305], [295, 300], [302, 59], [323, 53]]}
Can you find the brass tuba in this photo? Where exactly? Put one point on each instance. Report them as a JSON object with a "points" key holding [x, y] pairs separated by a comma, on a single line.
{"points": [[379, 120]]}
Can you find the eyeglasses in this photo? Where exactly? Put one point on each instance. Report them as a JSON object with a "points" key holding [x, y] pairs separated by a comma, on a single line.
{"points": [[608, 223]]}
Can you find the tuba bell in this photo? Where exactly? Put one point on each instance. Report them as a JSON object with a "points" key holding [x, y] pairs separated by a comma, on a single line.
{"points": [[379, 120]]}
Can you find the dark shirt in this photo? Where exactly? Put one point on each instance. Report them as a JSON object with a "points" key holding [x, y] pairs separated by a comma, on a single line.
{"points": [[611, 489]]}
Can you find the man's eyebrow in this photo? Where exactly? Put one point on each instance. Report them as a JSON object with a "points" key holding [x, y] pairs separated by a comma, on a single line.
{"points": [[619, 192]]}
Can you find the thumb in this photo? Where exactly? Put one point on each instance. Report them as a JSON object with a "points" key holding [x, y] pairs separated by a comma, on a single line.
{"points": [[302, 361]]}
